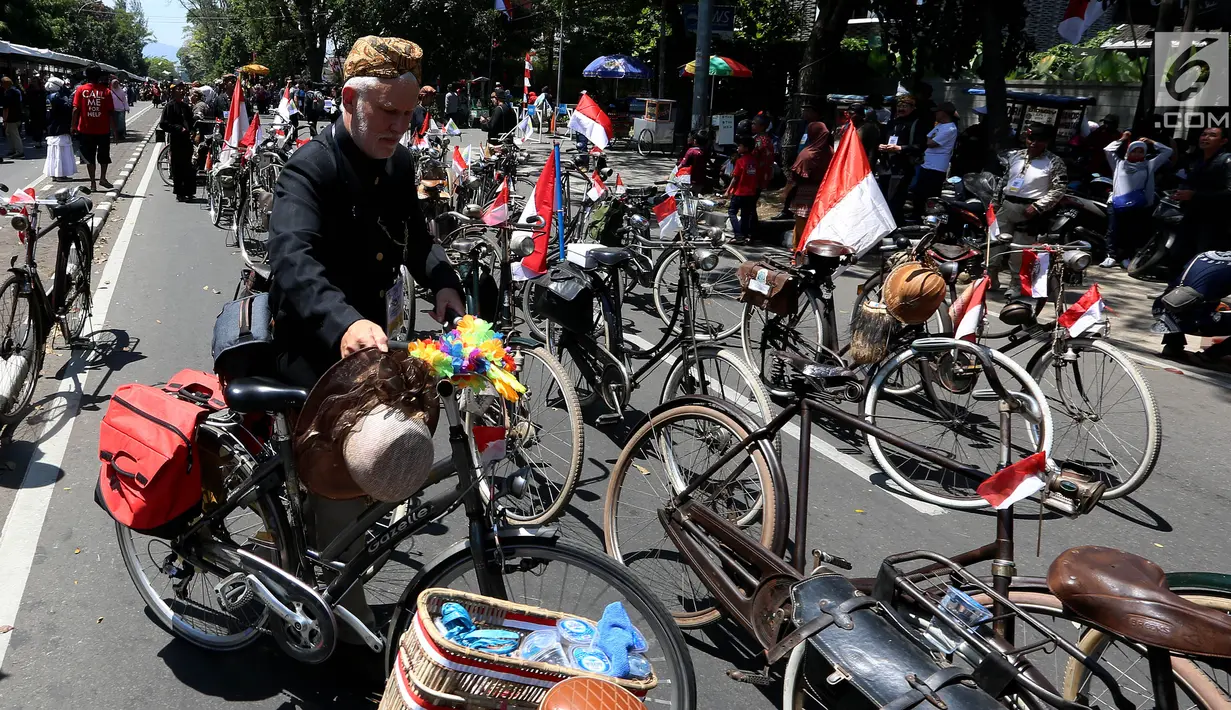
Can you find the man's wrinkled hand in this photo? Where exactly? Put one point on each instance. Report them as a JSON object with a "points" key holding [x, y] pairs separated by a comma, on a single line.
{"points": [[364, 334], [447, 300]]}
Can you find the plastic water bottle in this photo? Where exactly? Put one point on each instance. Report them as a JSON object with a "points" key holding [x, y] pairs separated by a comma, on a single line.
{"points": [[13, 373]]}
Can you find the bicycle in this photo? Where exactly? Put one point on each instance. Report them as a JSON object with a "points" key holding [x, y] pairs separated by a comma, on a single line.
{"points": [[249, 560], [550, 413], [1109, 421], [604, 361], [29, 309]]}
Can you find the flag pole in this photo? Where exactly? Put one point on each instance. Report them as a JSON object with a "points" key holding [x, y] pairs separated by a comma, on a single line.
{"points": [[559, 199]]}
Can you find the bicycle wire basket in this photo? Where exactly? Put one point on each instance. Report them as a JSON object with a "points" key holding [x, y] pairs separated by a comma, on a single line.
{"points": [[432, 671]]}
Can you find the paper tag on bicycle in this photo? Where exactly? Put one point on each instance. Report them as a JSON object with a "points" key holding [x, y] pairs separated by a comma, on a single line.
{"points": [[758, 284], [393, 305], [1016, 184]]}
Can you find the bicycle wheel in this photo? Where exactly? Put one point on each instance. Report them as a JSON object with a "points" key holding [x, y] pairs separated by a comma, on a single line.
{"points": [[645, 142], [215, 199], [181, 597], [667, 452], [957, 416], [717, 309], [800, 333], [545, 437], [727, 377], [21, 347], [73, 284], [545, 573], [164, 164], [535, 322], [1107, 422]]}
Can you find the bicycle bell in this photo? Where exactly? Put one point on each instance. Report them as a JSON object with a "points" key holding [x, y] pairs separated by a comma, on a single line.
{"points": [[707, 259], [522, 244], [472, 211]]}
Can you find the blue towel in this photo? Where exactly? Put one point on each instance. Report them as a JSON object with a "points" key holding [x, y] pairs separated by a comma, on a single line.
{"points": [[615, 637]]}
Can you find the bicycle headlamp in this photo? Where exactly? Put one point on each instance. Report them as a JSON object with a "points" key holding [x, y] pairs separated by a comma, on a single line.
{"points": [[522, 244], [707, 259], [1076, 260], [20, 223], [706, 205], [472, 211], [715, 235], [639, 222]]}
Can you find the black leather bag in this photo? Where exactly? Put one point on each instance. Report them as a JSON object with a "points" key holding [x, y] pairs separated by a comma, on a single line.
{"points": [[566, 298], [1181, 298], [243, 337], [885, 664]]}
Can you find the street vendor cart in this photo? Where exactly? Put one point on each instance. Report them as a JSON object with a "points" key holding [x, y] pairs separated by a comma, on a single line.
{"points": [[655, 129]]}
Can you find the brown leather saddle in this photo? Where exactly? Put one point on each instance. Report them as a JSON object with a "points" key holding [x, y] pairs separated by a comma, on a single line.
{"points": [[1128, 595], [589, 694]]}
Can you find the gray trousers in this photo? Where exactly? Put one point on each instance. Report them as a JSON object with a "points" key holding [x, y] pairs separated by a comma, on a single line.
{"points": [[1011, 217], [330, 518], [12, 133]]}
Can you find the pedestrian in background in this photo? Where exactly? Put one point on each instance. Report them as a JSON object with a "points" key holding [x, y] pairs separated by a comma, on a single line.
{"points": [[119, 122], [902, 154], [61, 163], [36, 108], [10, 96], [743, 190], [935, 167], [1132, 195], [177, 122], [92, 107], [697, 160], [807, 173]]}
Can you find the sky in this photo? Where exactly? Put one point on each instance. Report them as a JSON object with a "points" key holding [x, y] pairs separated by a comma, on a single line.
{"points": [[166, 19]]}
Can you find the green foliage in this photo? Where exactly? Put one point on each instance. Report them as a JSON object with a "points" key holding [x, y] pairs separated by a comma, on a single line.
{"points": [[160, 68], [1084, 62], [944, 36], [113, 35]]}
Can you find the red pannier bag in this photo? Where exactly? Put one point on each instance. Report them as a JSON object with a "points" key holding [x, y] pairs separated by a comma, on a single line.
{"points": [[150, 479]]}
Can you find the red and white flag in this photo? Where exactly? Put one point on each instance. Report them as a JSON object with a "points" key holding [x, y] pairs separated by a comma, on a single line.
{"points": [[497, 212], [490, 442], [459, 165], [679, 176], [254, 137], [993, 227], [543, 205], [590, 121], [968, 310], [1014, 483], [523, 129], [1033, 273], [1085, 313], [597, 188], [1078, 17], [668, 216], [849, 207], [620, 187], [237, 126], [286, 106], [420, 138]]}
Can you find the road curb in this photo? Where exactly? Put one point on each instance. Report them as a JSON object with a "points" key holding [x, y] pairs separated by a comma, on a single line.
{"points": [[103, 210]]}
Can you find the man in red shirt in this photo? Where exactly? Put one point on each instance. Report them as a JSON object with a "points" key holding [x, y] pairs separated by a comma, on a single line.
{"points": [[745, 184], [92, 108]]}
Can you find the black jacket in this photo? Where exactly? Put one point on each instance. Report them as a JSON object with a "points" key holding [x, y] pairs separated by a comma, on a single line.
{"points": [[1210, 181], [912, 133], [60, 118], [502, 120], [342, 225]]}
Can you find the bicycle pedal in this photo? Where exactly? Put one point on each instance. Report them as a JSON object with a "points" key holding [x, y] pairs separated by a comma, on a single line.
{"points": [[608, 418], [751, 677]]}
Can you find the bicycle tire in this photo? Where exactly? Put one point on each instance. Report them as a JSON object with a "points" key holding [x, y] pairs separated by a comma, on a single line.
{"points": [[758, 404], [645, 143], [524, 428], [656, 625], [215, 200], [270, 512], [164, 165], [535, 323], [1041, 435], [1039, 369], [762, 333], [664, 293], [73, 289], [772, 503], [25, 339]]}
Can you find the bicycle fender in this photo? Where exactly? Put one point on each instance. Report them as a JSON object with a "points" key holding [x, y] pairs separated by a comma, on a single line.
{"points": [[524, 342], [776, 472]]}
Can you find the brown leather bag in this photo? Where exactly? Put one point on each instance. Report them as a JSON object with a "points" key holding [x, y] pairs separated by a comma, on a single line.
{"points": [[768, 288]]}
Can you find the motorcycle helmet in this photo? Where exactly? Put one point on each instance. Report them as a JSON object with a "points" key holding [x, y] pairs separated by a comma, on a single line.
{"points": [[913, 292]]}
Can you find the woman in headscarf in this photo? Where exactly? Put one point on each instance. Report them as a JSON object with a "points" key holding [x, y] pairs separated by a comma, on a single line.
{"points": [[807, 173], [119, 97], [61, 164], [177, 123]]}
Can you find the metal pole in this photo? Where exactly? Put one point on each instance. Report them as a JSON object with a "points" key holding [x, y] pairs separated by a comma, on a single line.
{"points": [[560, 206], [662, 51], [560, 64], [700, 78]]}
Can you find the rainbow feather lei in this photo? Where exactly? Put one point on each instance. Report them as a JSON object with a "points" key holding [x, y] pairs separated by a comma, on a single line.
{"points": [[471, 355]]}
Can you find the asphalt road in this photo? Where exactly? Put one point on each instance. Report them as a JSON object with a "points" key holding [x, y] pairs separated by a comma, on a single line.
{"points": [[82, 638]]}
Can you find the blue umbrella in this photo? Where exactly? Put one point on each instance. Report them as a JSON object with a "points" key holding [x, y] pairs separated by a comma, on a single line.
{"points": [[617, 66]]}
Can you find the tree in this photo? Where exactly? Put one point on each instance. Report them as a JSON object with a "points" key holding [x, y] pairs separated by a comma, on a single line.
{"points": [[113, 35], [820, 60], [160, 68]]}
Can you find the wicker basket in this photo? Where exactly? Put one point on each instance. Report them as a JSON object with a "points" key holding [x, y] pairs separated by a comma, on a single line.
{"points": [[432, 672]]}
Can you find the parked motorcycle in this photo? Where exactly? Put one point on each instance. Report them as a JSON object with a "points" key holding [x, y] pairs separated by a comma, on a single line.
{"points": [[1155, 260]]}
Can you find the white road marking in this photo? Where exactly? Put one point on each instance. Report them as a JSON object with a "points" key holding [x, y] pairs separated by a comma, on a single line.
{"points": [[1174, 367], [824, 448], [19, 537]]}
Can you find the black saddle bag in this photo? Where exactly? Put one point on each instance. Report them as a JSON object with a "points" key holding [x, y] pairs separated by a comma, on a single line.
{"points": [[243, 337], [566, 298], [868, 651]]}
